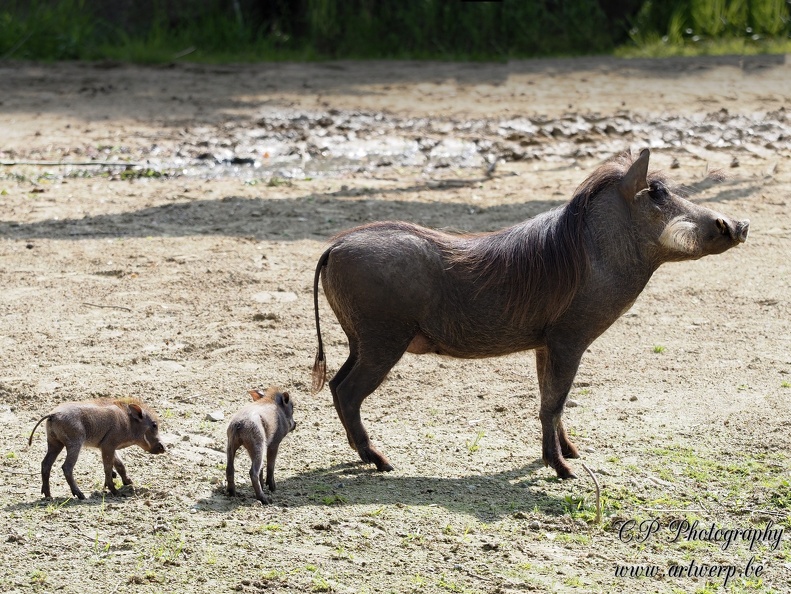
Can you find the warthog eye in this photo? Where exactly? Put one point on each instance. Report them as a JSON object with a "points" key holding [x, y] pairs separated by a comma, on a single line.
{"points": [[154, 424], [658, 192]]}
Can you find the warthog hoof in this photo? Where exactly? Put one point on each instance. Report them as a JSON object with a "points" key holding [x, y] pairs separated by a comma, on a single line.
{"points": [[563, 470], [569, 450], [370, 455]]}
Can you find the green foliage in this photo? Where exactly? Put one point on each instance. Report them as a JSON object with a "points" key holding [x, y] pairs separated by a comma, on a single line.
{"points": [[711, 26], [163, 30], [469, 29], [62, 30], [151, 31]]}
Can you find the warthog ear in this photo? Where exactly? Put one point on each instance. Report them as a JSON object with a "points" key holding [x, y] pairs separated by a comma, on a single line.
{"points": [[286, 397], [135, 411], [256, 394], [636, 179]]}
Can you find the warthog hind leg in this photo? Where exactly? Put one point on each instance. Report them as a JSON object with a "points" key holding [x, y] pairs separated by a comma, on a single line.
{"points": [[364, 377], [336, 381]]}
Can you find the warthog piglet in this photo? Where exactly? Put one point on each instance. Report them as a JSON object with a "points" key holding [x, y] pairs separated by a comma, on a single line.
{"points": [[261, 424], [106, 424]]}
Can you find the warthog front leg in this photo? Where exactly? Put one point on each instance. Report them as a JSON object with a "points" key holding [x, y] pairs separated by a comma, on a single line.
{"points": [[568, 449], [556, 373]]}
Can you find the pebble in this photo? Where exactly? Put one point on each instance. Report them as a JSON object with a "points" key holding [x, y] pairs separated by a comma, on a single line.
{"points": [[216, 415], [491, 546], [571, 403]]}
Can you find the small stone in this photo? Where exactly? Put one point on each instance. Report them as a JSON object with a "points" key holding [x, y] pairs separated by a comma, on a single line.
{"points": [[215, 416], [260, 317], [534, 525], [491, 546], [588, 449], [571, 403], [275, 296], [632, 398], [7, 416]]}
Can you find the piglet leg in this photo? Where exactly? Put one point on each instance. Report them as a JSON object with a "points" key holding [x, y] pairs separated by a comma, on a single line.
{"points": [[108, 458], [53, 449], [72, 453], [119, 466], [271, 456], [257, 456]]}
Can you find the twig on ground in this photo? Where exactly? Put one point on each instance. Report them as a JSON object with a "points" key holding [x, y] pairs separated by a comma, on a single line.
{"points": [[9, 471], [107, 306], [673, 510], [598, 493], [72, 163]]}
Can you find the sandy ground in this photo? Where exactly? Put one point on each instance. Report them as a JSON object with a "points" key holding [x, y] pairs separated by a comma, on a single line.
{"points": [[189, 288]]}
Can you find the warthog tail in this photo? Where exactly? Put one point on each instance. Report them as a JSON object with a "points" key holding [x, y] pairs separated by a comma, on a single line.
{"points": [[30, 439], [319, 374]]}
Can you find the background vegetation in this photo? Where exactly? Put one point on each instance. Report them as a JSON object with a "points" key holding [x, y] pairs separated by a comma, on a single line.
{"points": [[249, 30]]}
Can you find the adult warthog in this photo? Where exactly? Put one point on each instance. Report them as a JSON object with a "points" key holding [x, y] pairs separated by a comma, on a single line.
{"points": [[553, 283]]}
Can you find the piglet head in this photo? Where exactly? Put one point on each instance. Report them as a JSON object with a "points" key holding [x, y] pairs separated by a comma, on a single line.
{"points": [[145, 426], [284, 401]]}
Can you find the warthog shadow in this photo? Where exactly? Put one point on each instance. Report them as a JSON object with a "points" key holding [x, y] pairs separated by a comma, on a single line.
{"points": [[485, 496]]}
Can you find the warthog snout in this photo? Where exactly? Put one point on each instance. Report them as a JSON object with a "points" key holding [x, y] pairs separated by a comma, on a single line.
{"points": [[736, 230], [158, 448]]}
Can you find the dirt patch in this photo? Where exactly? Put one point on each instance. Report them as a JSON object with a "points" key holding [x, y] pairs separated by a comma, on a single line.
{"points": [[188, 280]]}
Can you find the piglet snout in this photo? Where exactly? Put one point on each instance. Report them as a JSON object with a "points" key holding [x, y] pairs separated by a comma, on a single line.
{"points": [[742, 227]]}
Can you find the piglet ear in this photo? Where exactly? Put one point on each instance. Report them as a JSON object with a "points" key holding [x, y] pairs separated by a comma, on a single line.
{"points": [[135, 411], [286, 397], [636, 179], [256, 394], [282, 398]]}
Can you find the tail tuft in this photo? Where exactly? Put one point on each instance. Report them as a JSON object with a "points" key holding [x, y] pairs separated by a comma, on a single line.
{"points": [[319, 374]]}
